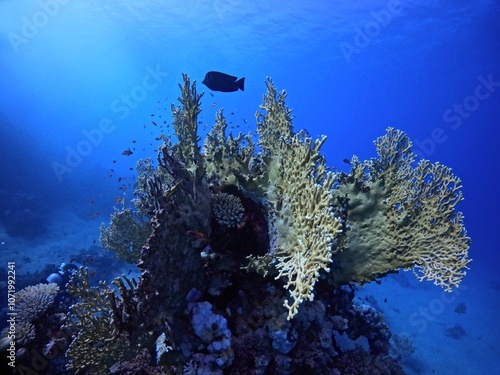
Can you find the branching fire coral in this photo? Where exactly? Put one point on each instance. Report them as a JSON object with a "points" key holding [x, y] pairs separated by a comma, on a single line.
{"points": [[402, 217], [96, 345], [302, 221], [126, 235]]}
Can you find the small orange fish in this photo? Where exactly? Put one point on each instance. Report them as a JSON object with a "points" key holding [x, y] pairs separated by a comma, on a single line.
{"points": [[118, 200], [127, 152], [213, 104], [92, 273], [97, 213], [197, 235], [91, 217]]}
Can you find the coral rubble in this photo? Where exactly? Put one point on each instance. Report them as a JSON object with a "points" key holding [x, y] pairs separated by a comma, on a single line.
{"points": [[254, 251]]}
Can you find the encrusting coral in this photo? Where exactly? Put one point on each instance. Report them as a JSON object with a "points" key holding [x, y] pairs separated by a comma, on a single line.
{"points": [[402, 217], [217, 214]]}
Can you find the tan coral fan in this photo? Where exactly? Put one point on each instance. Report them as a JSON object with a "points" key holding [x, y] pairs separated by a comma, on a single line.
{"points": [[402, 217]]}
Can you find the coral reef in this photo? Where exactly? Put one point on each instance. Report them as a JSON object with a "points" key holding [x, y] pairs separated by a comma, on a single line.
{"points": [[215, 353], [402, 217], [140, 365], [253, 250], [39, 341]]}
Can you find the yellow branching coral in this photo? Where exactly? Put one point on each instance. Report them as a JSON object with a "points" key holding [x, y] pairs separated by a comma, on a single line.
{"points": [[97, 345], [302, 220], [186, 126], [402, 217], [125, 235], [227, 157]]}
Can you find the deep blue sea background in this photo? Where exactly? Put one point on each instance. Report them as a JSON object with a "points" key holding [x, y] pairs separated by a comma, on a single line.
{"points": [[82, 81]]}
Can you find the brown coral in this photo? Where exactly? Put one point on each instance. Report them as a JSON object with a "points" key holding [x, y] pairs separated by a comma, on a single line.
{"points": [[227, 209]]}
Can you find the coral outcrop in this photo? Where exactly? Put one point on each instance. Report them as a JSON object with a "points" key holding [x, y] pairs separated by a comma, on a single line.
{"points": [[38, 338], [255, 249]]}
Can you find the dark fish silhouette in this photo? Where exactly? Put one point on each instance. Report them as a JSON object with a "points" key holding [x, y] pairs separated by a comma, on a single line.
{"points": [[217, 81]]}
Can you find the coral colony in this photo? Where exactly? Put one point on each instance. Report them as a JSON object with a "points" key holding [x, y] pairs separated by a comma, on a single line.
{"points": [[250, 255]]}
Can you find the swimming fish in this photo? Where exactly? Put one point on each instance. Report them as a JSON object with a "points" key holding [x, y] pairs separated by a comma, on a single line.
{"points": [[127, 152], [217, 81]]}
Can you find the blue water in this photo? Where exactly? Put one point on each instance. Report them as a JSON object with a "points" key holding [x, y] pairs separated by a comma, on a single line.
{"points": [[81, 81]]}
